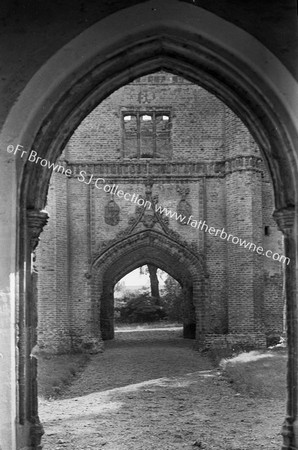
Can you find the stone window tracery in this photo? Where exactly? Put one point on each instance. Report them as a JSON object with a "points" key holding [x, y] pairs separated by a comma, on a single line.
{"points": [[146, 134]]}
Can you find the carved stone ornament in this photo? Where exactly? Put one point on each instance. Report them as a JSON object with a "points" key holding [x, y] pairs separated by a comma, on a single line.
{"points": [[36, 220], [183, 208], [143, 214], [146, 97], [128, 170], [112, 213], [149, 219], [285, 219]]}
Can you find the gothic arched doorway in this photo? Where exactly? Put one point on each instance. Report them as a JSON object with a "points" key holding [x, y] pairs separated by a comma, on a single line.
{"points": [[190, 42]]}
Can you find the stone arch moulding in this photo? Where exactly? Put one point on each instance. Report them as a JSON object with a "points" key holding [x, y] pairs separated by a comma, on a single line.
{"points": [[141, 248], [157, 34]]}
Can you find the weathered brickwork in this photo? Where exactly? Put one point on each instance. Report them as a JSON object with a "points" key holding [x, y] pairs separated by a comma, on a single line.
{"points": [[273, 240], [211, 167], [197, 131]]}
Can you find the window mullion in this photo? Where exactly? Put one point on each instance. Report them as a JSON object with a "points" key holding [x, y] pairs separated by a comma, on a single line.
{"points": [[138, 135], [154, 134], [123, 136]]}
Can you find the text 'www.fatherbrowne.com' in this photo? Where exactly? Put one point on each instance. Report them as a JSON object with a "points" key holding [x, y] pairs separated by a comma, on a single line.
{"points": [[202, 225]]}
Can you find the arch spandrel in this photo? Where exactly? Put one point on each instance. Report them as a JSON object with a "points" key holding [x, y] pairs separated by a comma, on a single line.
{"points": [[154, 240]]}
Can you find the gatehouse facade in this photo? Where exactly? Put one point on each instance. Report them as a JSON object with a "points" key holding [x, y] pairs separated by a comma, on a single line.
{"points": [[161, 172]]}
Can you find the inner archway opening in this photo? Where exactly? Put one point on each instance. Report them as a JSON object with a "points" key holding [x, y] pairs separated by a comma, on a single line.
{"points": [[151, 299], [149, 282]]}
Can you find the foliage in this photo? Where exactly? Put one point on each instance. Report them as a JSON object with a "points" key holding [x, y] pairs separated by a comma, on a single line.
{"points": [[119, 286], [172, 299], [141, 308]]}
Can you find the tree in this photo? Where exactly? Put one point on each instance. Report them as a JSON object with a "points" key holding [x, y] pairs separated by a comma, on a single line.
{"points": [[152, 270]]}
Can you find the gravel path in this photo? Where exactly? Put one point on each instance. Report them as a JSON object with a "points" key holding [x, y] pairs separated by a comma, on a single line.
{"points": [[150, 390]]}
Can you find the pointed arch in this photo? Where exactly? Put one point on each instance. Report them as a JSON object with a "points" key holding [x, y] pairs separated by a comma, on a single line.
{"points": [[153, 247]]}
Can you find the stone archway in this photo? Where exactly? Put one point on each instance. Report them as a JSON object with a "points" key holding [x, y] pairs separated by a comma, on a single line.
{"points": [[155, 35], [155, 248]]}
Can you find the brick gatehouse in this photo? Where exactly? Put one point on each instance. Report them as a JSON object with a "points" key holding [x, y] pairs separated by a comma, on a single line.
{"points": [[160, 140]]}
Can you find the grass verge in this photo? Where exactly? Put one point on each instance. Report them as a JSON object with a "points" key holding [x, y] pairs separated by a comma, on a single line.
{"points": [[257, 373], [55, 372]]}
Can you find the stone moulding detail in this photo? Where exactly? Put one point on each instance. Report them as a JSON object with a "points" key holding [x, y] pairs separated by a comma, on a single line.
{"points": [[150, 236], [36, 220], [128, 233], [285, 219], [126, 170], [148, 218]]}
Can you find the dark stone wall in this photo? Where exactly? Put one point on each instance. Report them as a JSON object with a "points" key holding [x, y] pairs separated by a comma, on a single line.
{"points": [[32, 31]]}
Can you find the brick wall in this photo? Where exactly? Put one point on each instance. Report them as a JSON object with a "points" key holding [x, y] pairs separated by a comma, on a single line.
{"points": [[273, 270], [196, 130], [48, 331], [213, 164]]}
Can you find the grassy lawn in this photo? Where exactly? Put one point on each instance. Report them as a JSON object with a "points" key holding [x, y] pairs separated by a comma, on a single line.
{"points": [[55, 372], [257, 373]]}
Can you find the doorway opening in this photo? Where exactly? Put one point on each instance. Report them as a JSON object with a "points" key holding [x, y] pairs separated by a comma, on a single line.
{"points": [[150, 296]]}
